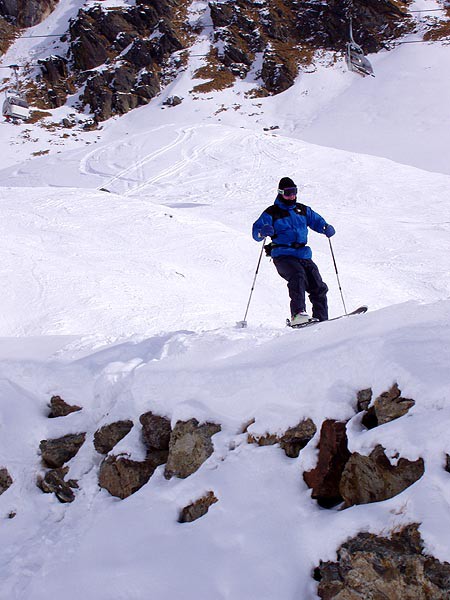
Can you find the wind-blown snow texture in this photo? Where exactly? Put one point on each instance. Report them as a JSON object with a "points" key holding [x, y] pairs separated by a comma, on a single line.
{"points": [[126, 302]]}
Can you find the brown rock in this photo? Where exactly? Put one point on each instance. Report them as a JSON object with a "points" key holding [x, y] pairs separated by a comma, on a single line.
{"points": [[190, 445], [372, 478], [109, 435], [53, 482], [60, 408], [197, 509], [363, 399], [369, 567], [296, 438], [333, 456], [26, 13], [122, 477], [58, 451], [156, 431], [292, 441], [5, 480], [390, 405]]}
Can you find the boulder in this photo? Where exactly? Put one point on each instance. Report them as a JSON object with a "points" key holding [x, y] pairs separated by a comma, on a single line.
{"points": [[390, 405], [60, 408], [190, 445], [373, 567], [325, 478], [197, 509], [5, 480], [109, 435], [121, 476], [156, 431], [387, 407], [53, 482], [372, 478], [292, 441], [58, 451]]}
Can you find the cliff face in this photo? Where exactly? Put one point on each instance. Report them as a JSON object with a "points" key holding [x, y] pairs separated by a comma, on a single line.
{"points": [[26, 13], [123, 56]]}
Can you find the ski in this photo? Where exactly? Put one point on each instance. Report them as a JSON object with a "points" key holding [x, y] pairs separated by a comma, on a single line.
{"points": [[358, 311]]}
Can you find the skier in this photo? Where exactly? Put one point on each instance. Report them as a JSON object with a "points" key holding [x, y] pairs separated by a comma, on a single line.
{"points": [[287, 222]]}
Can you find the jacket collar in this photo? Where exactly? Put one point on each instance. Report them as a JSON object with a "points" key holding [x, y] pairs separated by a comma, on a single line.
{"points": [[279, 202]]}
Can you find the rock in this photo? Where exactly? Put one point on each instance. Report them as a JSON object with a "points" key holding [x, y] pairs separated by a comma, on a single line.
{"points": [[5, 480], [109, 435], [197, 509], [390, 405], [296, 438], [53, 482], [369, 567], [173, 101], [333, 456], [447, 463], [190, 445], [26, 13], [58, 451], [387, 407], [156, 431], [363, 399], [121, 476], [56, 81], [372, 478], [60, 408], [7, 35], [292, 441]]}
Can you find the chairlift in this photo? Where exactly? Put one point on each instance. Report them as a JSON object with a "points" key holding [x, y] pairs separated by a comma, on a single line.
{"points": [[15, 106], [355, 59]]}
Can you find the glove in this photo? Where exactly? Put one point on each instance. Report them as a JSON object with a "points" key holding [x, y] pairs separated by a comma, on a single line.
{"points": [[329, 230], [266, 230]]}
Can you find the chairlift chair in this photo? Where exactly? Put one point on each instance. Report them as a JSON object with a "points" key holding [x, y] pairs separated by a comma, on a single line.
{"points": [[355, 59], [15, 106]]}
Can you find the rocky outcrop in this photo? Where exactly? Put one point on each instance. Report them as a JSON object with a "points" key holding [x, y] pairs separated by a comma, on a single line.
{"points": [[121, 476], [60, 408], [372, 478], [53, 483], [7, 34], [57, 81], [58, 451], [333, 456], [5, 480], [190, 445], [390, 405], [133, 44], [373, 567], [26, 13], [289, 33], [197, 509], [109, 435], [292, 441]]}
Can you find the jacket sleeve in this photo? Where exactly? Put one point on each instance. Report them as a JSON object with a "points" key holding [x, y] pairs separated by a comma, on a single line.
{"points": [[315, 221], [264, 219]]}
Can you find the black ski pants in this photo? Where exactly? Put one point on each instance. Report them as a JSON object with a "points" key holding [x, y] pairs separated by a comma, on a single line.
{"points": [[303, 276]]}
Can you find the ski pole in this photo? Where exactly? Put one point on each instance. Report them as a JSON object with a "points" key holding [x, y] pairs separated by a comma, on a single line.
{"points": [[243, 323], [337, 275]]}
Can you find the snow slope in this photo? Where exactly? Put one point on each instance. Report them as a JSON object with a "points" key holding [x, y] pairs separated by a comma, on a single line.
{"points": [[126, 301]]}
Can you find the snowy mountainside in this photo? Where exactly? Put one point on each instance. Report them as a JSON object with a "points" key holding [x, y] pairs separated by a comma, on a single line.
{"points": [[265, 535], [125, 301]]}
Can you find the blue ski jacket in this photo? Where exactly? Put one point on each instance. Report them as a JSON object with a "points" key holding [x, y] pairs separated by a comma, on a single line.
{"points": [[291, 228]]}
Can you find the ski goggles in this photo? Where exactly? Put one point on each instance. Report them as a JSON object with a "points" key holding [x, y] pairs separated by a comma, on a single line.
{"points": [[292, 191]]}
